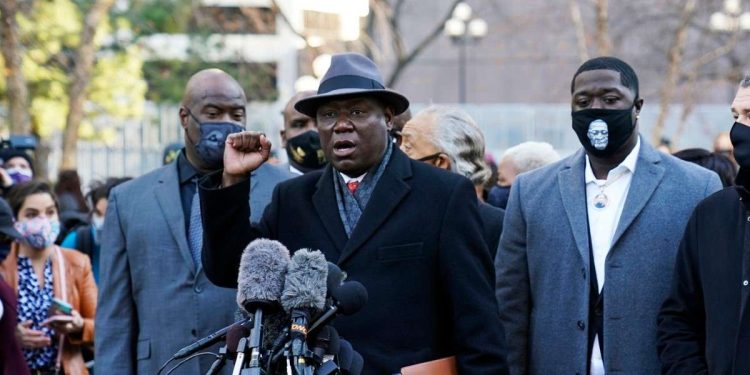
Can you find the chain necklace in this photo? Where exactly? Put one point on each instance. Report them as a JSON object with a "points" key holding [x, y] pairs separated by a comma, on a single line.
{"points": [[601, 200]]}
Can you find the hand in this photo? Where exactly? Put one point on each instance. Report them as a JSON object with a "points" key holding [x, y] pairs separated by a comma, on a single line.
{"points": [[31, 338], [5, 179], [65, 324], [244, 153]]}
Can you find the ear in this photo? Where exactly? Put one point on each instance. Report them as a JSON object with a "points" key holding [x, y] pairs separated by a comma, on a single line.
{"points": [[443, 162], [184, 117], [388, 114], [282, 134], [638, 104]]}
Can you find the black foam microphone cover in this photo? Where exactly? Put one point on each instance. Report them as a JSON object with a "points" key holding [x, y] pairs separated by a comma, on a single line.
{"points": [[351, 296], [345, 356], [355, 368], [334, 279], [327, 341]]}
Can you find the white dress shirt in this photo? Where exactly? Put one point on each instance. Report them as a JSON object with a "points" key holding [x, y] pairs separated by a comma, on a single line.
{"points": [[347, 178], [603, 222]]}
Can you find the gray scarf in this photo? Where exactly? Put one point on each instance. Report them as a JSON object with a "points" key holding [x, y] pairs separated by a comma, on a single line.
{"points": [[351, 205]]}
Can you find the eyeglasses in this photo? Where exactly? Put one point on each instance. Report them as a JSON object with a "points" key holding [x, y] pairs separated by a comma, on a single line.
{"points": [[430, 157]]}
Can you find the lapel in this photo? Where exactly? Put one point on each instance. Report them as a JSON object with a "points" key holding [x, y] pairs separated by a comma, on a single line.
{"points": [[167, 192], [745, 256], [324, 201], [572, 183], [648, 175], [388, 193]]}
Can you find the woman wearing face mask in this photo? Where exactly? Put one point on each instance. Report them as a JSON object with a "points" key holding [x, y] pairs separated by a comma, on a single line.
{"points": [[17, 168], [86, 238], [55, 287]]}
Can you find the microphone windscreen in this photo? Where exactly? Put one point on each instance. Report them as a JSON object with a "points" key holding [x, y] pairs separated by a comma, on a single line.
{"points": [[261, 276], [328, 340], [306, 278], [236, 332], [334, 279], [345, 355], [357, 364], [350, 297]]}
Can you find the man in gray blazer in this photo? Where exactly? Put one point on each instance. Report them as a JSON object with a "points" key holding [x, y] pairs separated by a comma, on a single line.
{"points": [[588, 247], [154, 296]]}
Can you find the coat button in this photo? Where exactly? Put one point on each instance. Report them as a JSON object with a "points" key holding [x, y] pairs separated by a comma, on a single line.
{"points": [[581, 325], [745, 283], [198, 289]]}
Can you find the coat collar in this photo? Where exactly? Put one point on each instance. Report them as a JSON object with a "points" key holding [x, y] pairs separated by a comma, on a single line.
{"points": [[387, 195], [571, 181]]}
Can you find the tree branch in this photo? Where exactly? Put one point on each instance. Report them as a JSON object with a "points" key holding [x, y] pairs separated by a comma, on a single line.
{"points": [[404, 60]]}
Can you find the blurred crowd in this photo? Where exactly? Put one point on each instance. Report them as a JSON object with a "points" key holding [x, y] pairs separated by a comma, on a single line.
{"points": [[133, 250]]}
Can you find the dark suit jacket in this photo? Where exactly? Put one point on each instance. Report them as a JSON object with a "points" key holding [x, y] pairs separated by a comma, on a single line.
{"points": [[417, 248], [492, 226], [704, 324]]}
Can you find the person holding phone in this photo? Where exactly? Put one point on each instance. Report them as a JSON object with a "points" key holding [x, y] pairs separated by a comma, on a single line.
{"points": [[55, 288]]}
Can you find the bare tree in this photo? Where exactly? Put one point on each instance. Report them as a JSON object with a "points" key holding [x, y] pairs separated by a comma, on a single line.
{"points": [[674, 68], [603, 42], [575, 16], [18, 93], [80, 77]]}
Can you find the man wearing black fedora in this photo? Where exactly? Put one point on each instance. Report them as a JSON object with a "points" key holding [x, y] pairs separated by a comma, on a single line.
{"points": [[409, 232]]}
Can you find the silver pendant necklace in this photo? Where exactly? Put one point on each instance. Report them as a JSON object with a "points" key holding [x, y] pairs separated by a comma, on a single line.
{"points": [[601, 200]]}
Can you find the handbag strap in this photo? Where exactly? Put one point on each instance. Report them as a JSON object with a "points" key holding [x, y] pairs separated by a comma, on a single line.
{"points": [[64, 297]]}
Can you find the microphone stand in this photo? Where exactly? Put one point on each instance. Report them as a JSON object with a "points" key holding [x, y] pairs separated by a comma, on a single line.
{"points": [[256, 334]]}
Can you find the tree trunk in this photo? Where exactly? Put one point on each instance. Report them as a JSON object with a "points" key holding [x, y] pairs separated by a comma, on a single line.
{"points": [[674, 59], [603, 43], [18, 93], [575, 16], [81, 75]]}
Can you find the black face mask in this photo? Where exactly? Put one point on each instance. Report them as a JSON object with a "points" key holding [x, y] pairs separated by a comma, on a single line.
{"points": [[210, 147], [603, 131], [304, 151], [740, 136]]}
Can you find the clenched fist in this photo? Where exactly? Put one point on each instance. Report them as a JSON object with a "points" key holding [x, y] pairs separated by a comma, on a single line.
{"points": [[244, 152]]}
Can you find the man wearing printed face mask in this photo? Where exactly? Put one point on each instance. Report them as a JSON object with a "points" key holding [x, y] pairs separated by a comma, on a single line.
{"points": [[593, 238], [300, 138], [155, 295], [704, 324]]}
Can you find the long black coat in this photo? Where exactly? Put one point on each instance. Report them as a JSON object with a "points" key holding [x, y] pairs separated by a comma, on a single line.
{"points": [[704, 325], [418, 249]]}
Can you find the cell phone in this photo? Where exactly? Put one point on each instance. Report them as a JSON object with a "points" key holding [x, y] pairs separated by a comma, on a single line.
{"points": [[61, 307]]}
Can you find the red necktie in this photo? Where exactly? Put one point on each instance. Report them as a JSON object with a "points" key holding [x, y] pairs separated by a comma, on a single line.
{"points": [[352, 185]]}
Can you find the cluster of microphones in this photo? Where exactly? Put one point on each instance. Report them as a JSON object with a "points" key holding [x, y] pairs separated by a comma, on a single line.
{"points": [[291, 303]]}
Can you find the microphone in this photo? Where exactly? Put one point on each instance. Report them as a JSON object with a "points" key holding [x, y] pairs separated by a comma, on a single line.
{"points": [[327, 342], [348, 298], [260, 281], [304, 293], [210, 339], [233, 339]]}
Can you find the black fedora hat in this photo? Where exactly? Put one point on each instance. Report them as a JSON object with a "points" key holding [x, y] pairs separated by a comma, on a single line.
{"points": [[350, 75], [6, 221]]}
